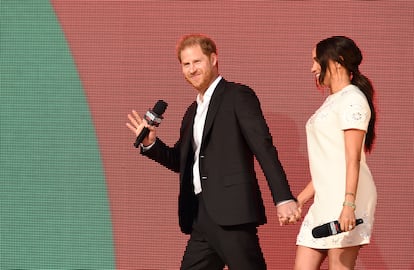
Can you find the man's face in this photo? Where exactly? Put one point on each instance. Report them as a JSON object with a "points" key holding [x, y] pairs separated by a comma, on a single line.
{"points": [[199, 69]]}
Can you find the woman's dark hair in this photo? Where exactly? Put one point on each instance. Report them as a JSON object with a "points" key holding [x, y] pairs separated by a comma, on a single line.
{"points": [[343, 50]]}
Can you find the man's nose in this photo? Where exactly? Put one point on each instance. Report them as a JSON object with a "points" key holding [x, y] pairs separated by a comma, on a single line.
{"points": [[192, 68]]}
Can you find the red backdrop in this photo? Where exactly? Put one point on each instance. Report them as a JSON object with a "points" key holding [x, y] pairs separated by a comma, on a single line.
{"points": [[125, 55]]}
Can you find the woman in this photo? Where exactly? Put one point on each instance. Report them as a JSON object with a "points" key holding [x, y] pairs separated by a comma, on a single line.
{"points": [[338, 135]]}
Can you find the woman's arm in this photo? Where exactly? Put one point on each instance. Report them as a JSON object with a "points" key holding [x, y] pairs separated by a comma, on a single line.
{"points": [[305, 195], [354, 139]]}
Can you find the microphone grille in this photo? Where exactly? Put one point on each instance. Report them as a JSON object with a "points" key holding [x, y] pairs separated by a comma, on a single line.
{"points": [[322, 231], [160, 107]]}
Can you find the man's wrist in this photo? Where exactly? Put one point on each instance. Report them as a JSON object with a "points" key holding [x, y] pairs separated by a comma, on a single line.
{"points": [[146, 148], [284, 202]]}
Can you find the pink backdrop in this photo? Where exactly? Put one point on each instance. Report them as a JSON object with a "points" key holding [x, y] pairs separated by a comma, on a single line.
{"points": [[125, 54]]}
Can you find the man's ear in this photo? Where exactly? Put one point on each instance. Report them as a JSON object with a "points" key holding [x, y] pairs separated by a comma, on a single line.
{"points": [[213, 58]]}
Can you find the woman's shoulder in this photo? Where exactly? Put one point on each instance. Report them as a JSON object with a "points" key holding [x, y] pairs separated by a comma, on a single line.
{"points": [[351, 90], [352, 93]]}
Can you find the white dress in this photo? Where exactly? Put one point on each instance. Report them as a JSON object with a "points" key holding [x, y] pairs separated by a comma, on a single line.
{"points": [[345, 109]]}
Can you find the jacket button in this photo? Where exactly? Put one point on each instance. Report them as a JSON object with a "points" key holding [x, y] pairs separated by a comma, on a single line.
{"points": [[204, 177]]}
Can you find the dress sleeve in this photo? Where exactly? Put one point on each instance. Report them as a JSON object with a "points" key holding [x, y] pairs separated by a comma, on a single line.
{"points": [[355, 112]]}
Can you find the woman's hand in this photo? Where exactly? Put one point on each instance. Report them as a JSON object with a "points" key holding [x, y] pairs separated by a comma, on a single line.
{"points": [[347, 218]]}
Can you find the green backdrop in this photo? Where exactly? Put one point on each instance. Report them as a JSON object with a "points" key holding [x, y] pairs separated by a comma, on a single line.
{"points": [[54, 207]]}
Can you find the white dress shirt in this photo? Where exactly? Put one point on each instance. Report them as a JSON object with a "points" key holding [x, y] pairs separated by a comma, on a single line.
{"points": [[203, 101]]}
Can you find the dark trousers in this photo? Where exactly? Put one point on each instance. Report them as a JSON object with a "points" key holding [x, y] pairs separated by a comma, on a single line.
{"points": [[211, 246]]}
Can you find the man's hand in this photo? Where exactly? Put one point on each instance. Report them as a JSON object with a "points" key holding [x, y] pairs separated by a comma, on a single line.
{"points": [[136, 125], [288, 213]]}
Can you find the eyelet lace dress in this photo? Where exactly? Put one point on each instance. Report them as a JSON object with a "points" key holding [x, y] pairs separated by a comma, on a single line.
{"points": [[345, 109]]}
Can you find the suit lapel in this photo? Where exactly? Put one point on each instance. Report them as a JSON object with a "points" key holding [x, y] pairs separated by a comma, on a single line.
{"points": [[187, 139], [212, 109]]}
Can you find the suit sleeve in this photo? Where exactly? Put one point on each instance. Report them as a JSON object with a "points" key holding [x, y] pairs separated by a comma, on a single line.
{"points": [[257, 135], [171, 157], [167, 156]]}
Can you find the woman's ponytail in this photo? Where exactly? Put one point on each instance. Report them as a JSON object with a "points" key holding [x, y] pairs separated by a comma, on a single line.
{"points": [[364, 84]]}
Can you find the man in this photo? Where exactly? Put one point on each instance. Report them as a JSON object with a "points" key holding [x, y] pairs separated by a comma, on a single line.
{"points": [[220, 203]]}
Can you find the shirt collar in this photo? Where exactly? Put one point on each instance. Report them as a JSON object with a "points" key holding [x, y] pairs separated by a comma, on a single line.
{"points": [[210, 90]]}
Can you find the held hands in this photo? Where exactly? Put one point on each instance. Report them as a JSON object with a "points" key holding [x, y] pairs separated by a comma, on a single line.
{"points": [[136, 124], [289, 213]]}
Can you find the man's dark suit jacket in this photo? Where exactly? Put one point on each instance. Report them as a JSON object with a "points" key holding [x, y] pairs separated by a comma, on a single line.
{"points": [[235, 131]]}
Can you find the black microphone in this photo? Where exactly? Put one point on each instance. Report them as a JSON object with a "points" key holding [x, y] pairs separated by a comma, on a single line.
{"points": [[153, 118], [330, 228]]}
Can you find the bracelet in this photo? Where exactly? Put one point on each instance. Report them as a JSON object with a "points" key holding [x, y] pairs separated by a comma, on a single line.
{"points": [[350, 204], [350, 193]]}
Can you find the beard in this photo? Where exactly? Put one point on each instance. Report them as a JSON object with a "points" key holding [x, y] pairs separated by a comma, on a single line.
{"points": [[201, 82]]}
